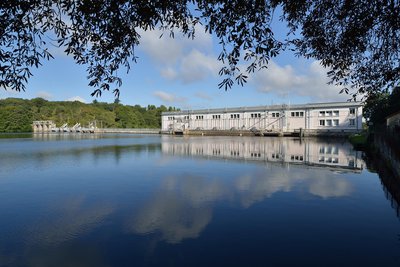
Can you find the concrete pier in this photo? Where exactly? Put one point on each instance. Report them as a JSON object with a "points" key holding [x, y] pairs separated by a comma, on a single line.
{"points": [[43, 126]]}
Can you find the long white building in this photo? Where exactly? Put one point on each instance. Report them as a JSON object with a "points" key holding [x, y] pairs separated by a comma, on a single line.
{"points": [[316, 117]]}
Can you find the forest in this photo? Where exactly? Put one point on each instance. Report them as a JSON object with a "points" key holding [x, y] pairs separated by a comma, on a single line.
{"points": [[17, 115]]}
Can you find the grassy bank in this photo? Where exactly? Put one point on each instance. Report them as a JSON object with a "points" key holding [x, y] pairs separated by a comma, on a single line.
{"points": [[359, 141]]}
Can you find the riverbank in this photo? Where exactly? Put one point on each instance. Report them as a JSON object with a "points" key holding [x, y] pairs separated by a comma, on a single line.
{"points": [[380, 144], [359, 141]]}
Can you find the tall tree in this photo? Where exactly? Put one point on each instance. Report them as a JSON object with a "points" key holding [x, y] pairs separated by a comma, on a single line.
{"points": [[358, 40]]}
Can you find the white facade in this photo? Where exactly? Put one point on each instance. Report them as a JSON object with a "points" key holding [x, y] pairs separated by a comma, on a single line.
{"points": [[286, 118]]}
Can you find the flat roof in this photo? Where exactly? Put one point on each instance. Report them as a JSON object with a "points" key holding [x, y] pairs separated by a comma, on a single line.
{"points": [[266, 108]]}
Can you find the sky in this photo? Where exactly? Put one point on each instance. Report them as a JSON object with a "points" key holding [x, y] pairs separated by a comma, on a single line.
{"points": [[183, 73]]}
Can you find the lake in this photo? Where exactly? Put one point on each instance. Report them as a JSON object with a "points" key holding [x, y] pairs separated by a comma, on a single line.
{"points": [[150, 200]]}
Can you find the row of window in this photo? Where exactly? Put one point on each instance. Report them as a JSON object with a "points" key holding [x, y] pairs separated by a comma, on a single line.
{"points": [[328, 122], [328, 150], [296, 158], [335, 122], [275, 114], [297, 114], [255, 115], [329, 113], [328, 160], [325, 113]]}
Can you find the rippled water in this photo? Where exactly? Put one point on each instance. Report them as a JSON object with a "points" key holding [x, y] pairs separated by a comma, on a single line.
{"points": [[125, 200]]}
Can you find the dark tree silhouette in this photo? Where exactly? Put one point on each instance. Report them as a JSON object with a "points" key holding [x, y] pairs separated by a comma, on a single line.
{"points": [[358, 40]]}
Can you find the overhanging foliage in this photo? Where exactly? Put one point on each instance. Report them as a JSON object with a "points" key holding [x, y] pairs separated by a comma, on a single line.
{"points": [[358, 40]]}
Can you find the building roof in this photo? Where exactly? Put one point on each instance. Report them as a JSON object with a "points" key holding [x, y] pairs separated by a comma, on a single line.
{"points": [[266, 108]]}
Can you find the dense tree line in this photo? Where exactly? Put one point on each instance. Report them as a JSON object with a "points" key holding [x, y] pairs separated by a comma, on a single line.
{"points": [[16, 115]]}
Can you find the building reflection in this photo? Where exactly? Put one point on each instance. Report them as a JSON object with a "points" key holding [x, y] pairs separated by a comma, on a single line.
{"points": [[309, 152]]}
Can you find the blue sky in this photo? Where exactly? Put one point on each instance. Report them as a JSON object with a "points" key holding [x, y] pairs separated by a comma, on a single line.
{"points": [[184, 73]]}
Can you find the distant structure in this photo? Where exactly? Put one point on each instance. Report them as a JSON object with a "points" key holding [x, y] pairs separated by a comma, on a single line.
{"points": [[43, 126], [308, 119], [50, 126]]}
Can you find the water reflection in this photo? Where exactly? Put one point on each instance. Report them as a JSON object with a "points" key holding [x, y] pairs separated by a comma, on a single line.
{"points": [[310, 152], [43, 150], [389, 178], [183, 205], [165, 191]]}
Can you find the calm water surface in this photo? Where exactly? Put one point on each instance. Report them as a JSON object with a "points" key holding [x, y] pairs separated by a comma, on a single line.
{"points": [[125, 200]]}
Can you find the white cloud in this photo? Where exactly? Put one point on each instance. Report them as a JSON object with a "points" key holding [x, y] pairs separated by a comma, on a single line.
{"points": [[162, 50], [169, 73], [167, 50], [181, 58], [76, 98], [286, 80], [168, 97], [44, 95], [197, 66]]}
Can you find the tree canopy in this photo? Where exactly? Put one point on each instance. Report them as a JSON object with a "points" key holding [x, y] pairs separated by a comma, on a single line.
{"points": [[380, 105], [357, 40]]}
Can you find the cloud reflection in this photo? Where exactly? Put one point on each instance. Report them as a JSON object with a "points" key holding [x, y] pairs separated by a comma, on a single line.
{"points": [[183, 205], [180, 209]]}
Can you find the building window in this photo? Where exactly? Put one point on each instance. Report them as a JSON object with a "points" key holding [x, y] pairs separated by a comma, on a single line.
{"points": [[199, 117], [329, 113], [255, 115], [297, 158], [297, 114], [352, 122], [335, 122], [352, 111], [328, 122], [336, 113], [321, 122], [171, 118], [275, 114], [322, 113], [216, 117]]}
